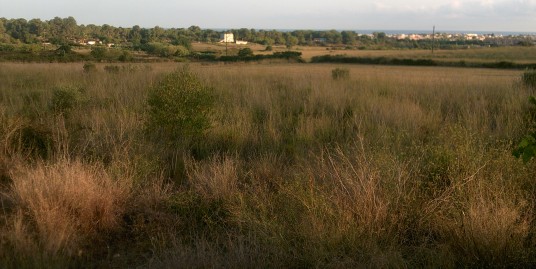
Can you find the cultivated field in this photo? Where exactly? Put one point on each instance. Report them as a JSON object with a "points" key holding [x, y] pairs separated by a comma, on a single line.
{"points": [[391, 167]]}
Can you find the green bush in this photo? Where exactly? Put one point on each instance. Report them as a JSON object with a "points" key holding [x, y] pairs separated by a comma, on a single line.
{"points": [[98, 53], [179, 107], [65, 99], [245, 52], [90, 68], [340, 73], [526, 149], [529, 78]]}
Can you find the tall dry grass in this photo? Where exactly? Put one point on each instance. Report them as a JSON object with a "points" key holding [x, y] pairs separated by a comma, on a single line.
{"points": [[393, 167]]}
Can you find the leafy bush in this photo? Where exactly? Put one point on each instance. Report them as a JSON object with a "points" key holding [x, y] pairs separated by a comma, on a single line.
{"points": [[98, 53], [90, 67], [526, 149], [529, 78], [179, 107], [65, 99], [340, 73], [125, 56], [245, 52]]}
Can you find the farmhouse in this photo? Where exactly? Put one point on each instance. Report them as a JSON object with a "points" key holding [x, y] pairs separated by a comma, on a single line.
{"points": [[227, 38]]}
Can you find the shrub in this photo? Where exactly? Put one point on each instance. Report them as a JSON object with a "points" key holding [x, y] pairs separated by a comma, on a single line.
{"points": [[98, 53], [179, 107], [529, 78], [340, 73], [245, 52], [66, 98], [526, 149], [90, 68], [269, 48], [125, 57]]}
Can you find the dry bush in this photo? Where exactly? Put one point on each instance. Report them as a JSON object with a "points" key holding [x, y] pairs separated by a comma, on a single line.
{"points": [[64, 205]]}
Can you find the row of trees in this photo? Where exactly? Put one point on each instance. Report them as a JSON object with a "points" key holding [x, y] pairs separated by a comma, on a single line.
{"points": [[67, 30]]}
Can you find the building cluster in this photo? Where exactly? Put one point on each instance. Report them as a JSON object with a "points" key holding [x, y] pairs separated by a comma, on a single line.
{"points": [[458, 36]]}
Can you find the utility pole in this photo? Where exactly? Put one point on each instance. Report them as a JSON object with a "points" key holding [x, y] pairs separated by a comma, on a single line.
{"points": [[433, 40]]}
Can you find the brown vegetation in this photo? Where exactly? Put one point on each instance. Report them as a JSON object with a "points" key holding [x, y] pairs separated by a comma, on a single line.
{"points": [[391, 167]]}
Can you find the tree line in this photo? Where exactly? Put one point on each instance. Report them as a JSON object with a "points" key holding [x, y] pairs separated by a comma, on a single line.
{"points": [[66, 30]]}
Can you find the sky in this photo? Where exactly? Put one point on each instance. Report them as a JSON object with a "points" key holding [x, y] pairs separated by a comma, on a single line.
{"points": [[455, 15]]}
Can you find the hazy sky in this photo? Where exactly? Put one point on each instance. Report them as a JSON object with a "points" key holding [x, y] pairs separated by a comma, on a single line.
{"points": [[483, 15]]}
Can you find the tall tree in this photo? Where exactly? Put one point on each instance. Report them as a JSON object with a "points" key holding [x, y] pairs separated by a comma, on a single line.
{"points": [[134, 35], [348, 37], [2, 28]]}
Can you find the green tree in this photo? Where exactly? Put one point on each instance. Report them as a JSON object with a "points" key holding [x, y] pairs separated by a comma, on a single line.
{"points": [[64, 49], [98, 53], [134, 35], [291, 41], [379, 35], [348, 37], [2, 30]]}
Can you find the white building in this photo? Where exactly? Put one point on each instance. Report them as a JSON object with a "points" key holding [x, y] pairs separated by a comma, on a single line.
{"points": [[227, 38]]}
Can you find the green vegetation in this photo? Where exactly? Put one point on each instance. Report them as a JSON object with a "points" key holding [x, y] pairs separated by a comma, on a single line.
{"points": [[180, 107], [64, 40], [286, 167], [526, 149]]}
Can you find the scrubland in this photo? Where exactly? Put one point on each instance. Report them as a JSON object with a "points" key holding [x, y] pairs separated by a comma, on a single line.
{"points": [[398, 167]]}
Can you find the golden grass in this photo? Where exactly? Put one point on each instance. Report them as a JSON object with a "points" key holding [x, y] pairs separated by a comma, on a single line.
{"points": [[69, 202], [394, 167]]}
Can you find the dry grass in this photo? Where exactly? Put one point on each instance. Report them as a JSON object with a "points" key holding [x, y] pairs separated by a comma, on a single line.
{"points": [[393, 167], [66, 205]]}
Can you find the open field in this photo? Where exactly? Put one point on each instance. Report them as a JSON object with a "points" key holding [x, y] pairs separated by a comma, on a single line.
{"points": [[495, 54], [392, 167]]}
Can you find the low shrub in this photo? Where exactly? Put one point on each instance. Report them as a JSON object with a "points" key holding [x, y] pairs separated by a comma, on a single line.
{"points": [[66, 98], [340, 73], [179, 107]]}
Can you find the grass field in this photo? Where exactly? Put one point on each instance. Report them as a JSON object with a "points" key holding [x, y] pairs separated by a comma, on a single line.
{"points": [[391, 167], [494, 54]]}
